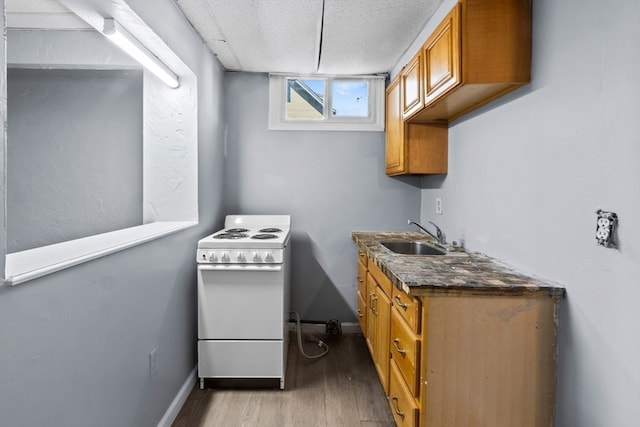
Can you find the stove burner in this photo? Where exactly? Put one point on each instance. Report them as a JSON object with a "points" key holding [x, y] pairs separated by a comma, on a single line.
{"points": [[228, 235], [264, 236], [270, 230], [237, 230]]}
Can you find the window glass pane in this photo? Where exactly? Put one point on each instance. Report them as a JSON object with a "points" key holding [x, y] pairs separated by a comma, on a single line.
{"points": [[305, 99], [350, 98]]}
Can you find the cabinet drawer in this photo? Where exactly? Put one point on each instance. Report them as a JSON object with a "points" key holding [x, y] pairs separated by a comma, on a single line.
{"points": [[405, 350], [403, 406], [362, 312], [383, 281], [362, 277], [408, 307]]}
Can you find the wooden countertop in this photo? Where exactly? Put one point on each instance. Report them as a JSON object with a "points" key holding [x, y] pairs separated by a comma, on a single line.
{"points": [[460, 272]]}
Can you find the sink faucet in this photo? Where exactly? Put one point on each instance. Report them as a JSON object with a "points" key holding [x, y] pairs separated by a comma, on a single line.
{"points": [[439, 236]]}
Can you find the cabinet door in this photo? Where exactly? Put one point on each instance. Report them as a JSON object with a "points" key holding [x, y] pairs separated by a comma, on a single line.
{"points": [[381, 342], [362, 276], [394, 129], [411, 85], [362, 312], [441, 54], [362, 291], [372, 313]]}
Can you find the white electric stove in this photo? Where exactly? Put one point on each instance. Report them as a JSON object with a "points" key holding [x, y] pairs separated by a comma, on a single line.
{"points": [[243, 299]]}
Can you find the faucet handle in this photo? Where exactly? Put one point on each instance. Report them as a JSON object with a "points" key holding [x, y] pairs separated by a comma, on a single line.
{"points": [[439, 234]]}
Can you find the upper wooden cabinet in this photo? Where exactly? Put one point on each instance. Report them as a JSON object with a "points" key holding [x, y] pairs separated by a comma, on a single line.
{"points": [[479, 52], [411, 84], [412, 148], [441, 53], [394, 128]]}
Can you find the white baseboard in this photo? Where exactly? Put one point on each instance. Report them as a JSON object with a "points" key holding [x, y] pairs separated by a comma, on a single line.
{"points": [[351, 328], [320, 328], [174, 409]]}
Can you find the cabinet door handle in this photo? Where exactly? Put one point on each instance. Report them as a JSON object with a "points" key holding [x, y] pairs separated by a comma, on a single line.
{"points": [[394, 399], [372, 306], [400, 303], [360, 314], [398, 349], [360, 279]]}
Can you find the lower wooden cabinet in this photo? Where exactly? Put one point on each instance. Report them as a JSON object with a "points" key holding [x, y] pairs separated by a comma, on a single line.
{"points": [[405, 351], [463, 358], [378, 329], [403, 406], [362, 291], [489, 360], [374, 311]]}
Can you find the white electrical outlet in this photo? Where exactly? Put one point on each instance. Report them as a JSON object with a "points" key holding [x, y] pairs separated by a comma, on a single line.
{"points": [[439, 205], [153, 362]]}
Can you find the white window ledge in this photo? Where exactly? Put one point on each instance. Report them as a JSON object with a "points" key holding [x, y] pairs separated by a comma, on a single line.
{"points": [[27, 265]]}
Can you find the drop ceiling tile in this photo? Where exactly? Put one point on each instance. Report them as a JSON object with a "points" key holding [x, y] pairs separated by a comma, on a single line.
{"points": [[265, 35], [368, 37]]}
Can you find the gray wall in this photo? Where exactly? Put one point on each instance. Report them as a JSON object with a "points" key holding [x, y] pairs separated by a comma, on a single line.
{"points": [[74, 154], [526, 175], [74, 345], [331, 183], [3, 145]]}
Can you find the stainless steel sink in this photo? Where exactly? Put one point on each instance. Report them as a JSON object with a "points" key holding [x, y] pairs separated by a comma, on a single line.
{"points": [[414, 248]]}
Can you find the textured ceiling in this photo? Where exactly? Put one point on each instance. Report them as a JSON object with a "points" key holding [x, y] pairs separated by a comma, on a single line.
{"points": [[287, 36], [309, 36]]}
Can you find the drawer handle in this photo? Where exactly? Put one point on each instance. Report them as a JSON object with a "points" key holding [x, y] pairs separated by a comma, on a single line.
{"points": [[400, 303], [394, 399], [360, 314], [398, 349], [360, 279], [361, 254]]}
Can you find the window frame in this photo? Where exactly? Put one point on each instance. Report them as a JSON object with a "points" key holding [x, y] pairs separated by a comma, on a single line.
{"points": [[278, 103]]}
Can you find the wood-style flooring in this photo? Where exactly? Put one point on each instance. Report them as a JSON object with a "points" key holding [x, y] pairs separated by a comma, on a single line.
{"points": [[339, 390]]}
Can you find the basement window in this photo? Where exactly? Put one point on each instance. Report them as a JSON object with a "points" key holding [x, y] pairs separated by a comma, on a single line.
{"points": [[353, 103]]}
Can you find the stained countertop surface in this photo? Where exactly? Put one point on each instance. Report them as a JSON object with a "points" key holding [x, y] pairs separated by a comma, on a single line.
{"points": [[457, 272]]}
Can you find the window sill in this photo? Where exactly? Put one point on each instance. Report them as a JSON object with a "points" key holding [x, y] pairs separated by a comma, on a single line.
{"points": [[30, 264]]}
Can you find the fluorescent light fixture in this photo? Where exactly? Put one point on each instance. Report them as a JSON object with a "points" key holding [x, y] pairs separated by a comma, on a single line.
{"points": [[121, 37]]}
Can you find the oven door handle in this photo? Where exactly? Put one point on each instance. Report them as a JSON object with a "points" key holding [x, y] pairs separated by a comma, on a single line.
{"points": [[240, 267]]}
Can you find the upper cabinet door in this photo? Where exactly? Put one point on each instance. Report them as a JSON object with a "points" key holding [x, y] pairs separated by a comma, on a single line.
{"points": [[394, 130], [442, 58], [411, 84]]}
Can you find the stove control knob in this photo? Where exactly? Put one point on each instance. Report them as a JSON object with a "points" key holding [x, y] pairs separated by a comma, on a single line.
{"points": [[240, 257], [256, 257], [268, 257], [213, 257], [225, 257]]}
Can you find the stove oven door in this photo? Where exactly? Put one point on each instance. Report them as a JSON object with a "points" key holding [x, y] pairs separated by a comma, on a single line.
{"points": [[241, 302]]}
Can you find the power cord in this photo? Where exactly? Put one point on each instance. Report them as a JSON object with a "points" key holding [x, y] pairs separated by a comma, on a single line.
{"points": [[310, 338]]}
